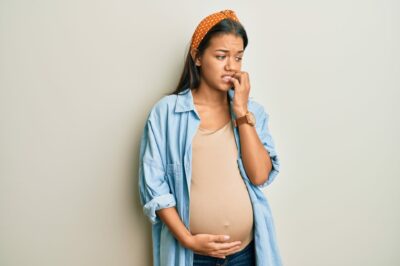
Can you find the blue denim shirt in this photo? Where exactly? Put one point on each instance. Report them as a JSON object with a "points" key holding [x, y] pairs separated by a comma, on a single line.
{"points": [[165, 176]]}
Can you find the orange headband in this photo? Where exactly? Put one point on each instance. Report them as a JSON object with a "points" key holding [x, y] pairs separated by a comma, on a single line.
{"points": [[208, 22]]}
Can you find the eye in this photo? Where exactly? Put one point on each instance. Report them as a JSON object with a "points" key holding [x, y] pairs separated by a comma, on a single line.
{"points": [[239, 58], [220, 56]]}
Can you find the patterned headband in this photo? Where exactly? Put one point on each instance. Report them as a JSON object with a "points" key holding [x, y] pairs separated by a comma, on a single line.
{"points": [[208, 22]]}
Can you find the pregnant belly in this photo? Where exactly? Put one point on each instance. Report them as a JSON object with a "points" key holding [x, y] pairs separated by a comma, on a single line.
{"points": [[226, 211]]}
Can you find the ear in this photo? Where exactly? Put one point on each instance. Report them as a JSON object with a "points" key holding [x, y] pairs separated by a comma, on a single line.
{"points": [[193, 54]]}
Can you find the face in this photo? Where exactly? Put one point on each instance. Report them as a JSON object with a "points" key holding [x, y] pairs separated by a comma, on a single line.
{"points": [[223, 57]]}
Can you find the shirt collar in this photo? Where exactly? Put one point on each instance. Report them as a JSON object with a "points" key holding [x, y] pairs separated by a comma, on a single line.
{"points": [[184, 101]]}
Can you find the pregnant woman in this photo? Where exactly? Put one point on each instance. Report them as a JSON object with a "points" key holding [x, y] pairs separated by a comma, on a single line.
{"points": [[205, 153]]}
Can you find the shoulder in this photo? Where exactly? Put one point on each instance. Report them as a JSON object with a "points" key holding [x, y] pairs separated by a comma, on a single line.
{"points": [[162, 107]]}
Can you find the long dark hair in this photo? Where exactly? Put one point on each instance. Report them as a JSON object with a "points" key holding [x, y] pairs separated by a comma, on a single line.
{"points": [[190, 77]]}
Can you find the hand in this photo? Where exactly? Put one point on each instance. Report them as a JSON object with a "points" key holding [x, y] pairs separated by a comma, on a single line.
{"points": [[213, 245], [241, 83]]}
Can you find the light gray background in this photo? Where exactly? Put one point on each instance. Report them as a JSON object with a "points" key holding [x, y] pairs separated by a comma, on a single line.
{"points": [[78, 77]]}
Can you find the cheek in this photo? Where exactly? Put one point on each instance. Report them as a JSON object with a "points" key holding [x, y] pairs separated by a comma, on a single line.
{"points": [[238, 65], [212, 69]]}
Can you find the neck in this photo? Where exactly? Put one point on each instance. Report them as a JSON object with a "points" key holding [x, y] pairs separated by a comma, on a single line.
{"points": [[204, 95]]}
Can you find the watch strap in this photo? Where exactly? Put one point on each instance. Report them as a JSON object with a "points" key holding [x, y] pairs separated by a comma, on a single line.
{"points": [[241, 120]]}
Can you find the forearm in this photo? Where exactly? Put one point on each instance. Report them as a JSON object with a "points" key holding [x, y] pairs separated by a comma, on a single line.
{"points": [[255, 157], [171, 218]]}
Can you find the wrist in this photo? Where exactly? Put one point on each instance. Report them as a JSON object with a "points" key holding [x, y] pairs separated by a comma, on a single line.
{"points": [[240, 112], [187, 240]]}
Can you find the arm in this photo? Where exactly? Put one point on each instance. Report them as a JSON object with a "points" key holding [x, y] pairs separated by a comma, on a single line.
{"points": [[209, 245], [171, 218], [255, 157], [154, 190], [258, 150], [259, 158]]}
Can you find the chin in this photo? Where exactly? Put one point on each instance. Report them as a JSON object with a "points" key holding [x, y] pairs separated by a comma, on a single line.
{"points": [[223, 86], [226, 86]]}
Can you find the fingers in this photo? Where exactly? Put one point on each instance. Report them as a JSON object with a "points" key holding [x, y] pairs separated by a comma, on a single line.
{"points": [[223, 248], [223, 254], [241, 79], [232, 250], [218, 245], [219, 238], [242, 76], [226, 246], [226, 249], [221, 242], [236, 83], [239, 76]]}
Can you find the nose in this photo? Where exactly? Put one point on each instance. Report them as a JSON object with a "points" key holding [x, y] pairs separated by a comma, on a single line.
{"points": [[230, 65]]}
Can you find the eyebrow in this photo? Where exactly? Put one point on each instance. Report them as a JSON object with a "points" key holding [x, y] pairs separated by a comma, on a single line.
{"points": [[225, 51]]}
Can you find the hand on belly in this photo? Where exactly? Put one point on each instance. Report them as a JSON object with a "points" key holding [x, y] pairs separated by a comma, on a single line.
{"points": [[238, 229]]}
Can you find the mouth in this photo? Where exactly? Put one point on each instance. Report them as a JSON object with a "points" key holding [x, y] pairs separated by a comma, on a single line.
{"points": [[227, 78]]}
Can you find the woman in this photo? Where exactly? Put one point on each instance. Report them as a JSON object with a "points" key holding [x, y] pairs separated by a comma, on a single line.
{"points": [[205, 152]]}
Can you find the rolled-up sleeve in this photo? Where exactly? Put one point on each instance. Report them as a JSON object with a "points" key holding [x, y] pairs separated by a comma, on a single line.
{"points": [[269, 144], [154, 190]]}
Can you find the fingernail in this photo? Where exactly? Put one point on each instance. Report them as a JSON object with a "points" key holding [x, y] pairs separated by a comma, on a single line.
{"points": [[226, 237]]}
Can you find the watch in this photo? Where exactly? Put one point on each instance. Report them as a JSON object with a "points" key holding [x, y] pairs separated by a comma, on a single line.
{"points": [[248, 118]]}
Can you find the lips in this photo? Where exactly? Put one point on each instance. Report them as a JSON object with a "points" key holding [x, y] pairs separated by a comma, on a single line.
{"points": [[226, 78]]}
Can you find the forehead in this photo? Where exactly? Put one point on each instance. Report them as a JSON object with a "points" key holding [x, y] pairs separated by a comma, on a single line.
{"points": [[229, 42]]}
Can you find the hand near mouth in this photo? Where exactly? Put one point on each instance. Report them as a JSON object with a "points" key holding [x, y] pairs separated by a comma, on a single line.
{"points": [[241, 83]]}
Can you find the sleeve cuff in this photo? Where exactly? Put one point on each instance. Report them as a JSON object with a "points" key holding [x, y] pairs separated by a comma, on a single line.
{"points": [[274, 171], [272, 174], [157, 203]]}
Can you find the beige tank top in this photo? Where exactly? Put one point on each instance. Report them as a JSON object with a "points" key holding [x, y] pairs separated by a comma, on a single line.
{"points": [[219, 200]]}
